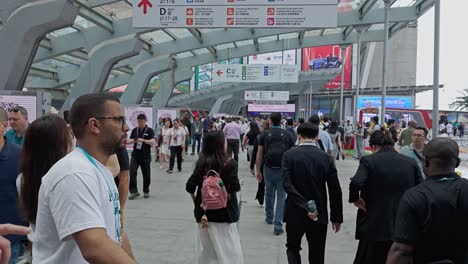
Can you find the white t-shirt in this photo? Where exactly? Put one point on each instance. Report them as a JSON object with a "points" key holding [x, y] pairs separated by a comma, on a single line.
{"points": [[177, 137], [74, 196], [441, 127], [449, 128]]}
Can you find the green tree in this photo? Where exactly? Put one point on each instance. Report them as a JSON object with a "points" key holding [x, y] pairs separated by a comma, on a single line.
{"points": [[461, 102]]}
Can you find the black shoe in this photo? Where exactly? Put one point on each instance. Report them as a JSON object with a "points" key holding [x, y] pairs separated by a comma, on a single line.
{"points": [[180, 170], [133, 196], [169, 171], [146, 195], [193, 154], [278, 232]]}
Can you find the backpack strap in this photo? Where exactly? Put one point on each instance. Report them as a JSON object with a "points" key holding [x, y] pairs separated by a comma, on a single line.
{"points": [[321, 144]]}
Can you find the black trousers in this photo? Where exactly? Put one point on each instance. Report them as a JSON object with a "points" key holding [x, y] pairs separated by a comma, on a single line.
{"points": [[372, 252], [176, 151], [196, 140], [233, 147], [316, 235], [145, 164]]}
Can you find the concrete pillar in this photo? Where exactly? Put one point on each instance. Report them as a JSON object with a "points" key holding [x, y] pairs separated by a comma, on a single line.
{"points": [[143, 73], [102, 58], [21, 33], [216, 107]]}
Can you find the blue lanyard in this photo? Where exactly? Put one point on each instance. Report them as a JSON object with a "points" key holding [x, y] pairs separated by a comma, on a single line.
{"points": [[113, 198]]}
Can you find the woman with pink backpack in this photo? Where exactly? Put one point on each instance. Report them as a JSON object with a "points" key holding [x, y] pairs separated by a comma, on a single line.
{"points": [[213, 187]]}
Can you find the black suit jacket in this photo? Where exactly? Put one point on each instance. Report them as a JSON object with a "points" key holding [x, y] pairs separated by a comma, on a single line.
{"points": [[306, 171], [381, 180]]}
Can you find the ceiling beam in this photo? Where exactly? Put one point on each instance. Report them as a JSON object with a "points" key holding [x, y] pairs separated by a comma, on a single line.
{"points": [[37, 71], [301, 36], [196, 33], [257, 46], [79, 55], [213, 51], [101, 20], [366, 7], [170, 34], [98, 3]]}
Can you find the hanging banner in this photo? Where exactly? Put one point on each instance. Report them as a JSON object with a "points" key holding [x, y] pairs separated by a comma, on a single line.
{"points": [[235, 13], [131, 114], [279, 57], [256, 73], [266, 95]]}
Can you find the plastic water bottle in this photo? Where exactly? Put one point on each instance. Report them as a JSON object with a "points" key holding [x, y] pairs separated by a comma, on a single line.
{"points": [[312, 207], [221, 183]]}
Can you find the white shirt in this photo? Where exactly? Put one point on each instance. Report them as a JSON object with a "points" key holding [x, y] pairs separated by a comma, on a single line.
{"points": [[177, 137], [449, 128], [441, 127], [74, 196]]}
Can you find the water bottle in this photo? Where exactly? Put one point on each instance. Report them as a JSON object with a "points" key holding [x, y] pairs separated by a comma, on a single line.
{"points": [[221, 183], [312, 207]]}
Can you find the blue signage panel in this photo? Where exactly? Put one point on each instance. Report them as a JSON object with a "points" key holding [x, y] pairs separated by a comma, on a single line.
{"points": [[401, 102]]}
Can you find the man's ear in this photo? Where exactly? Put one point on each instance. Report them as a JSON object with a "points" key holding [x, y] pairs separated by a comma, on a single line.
{"points": [[458, 162]]}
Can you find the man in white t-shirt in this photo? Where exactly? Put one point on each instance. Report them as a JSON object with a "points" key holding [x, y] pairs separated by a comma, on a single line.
{"points": [[78, 218]]}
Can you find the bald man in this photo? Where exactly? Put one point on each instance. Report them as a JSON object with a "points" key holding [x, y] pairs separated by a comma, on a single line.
{"points": [[431, 224]]}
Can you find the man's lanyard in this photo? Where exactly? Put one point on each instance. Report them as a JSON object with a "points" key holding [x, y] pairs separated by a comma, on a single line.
{"points": [[112, 198], [138, 132], [275, 126]]}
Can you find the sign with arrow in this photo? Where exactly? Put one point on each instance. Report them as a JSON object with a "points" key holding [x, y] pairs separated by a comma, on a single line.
{"points": [[256, 73], [235, 13]]}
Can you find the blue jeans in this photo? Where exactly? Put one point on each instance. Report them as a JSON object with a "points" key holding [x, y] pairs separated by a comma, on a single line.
{"points": [[17, 250], [274, 187]]}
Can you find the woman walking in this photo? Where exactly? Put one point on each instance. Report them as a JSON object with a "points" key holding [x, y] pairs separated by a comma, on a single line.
{"points": [[165, 139], [218, 241], [248, 142], [336, 139], [177, 145]]}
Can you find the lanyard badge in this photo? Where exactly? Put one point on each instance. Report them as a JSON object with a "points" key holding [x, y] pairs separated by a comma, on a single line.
{"points": [[113, 197]]}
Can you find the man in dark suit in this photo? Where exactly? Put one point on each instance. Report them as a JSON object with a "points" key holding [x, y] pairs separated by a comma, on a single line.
{"points": [[380, 181], [306, 170]]}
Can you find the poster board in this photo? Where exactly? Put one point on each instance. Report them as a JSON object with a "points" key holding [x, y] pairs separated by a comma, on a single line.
{"points": [[29, 102]]}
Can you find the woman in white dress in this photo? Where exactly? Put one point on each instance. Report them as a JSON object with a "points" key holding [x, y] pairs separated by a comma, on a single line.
{"points": [[166, 138]]}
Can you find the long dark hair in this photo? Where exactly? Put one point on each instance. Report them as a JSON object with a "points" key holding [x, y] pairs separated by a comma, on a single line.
{"points": [[381, 138], [213, 156], [46, 141], [333, 127], [254, 129]]}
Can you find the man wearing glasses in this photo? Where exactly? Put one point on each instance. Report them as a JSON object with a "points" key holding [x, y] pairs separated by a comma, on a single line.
{"points": [[142, 138], [78, 218], [18, 119], [416, 148]]}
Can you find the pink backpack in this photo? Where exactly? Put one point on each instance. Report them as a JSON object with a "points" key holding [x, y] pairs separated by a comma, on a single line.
{"points": [[213, 192]]}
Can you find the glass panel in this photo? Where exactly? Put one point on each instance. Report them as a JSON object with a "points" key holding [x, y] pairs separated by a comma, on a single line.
{"points": [[333, 31], [404, 3], [207, 30], [225, 46], [184, 55], [376, 27], [180, 32], [266, 39], [315, 32], [244, 42], [157, 36], [200, 51], [63, 31], [117, 10], [83, 22], [289, 36]]}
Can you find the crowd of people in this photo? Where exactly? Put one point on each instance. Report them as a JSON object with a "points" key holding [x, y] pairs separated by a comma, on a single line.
{"points": [[70, 177]]}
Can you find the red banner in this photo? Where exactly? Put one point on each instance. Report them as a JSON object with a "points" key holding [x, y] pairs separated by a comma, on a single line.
{"points": [[327, 57]]}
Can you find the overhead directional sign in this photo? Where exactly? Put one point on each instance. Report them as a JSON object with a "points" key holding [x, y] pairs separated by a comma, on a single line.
{"points": [[266, 95], [235, 13], [256, 73]]}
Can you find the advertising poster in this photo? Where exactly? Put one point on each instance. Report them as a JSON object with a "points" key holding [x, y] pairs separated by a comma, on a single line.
{"points": [[279, 57], [165, 113], [131, 114], [401, 102], [328, 57], [8, 102]]}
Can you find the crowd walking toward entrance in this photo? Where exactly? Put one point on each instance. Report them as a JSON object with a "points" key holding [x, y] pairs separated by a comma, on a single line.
{"points": [[70, 179]]}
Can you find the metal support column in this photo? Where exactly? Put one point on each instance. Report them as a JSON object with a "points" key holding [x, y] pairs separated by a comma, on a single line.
{"points": [[384, 62], [343, 49], [358, 74], [435, 107], [21, 33], [309, 113]]}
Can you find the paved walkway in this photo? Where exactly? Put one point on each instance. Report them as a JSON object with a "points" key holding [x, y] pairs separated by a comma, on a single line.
{"points": [[162, 228]]}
